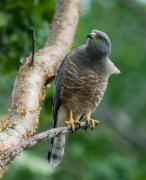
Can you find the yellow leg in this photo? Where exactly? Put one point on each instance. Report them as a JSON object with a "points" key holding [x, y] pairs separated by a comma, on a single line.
{"points": [[93, 122], [71, 122]]}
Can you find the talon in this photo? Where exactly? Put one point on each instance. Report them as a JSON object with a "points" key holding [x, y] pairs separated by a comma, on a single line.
{"points": [[72, 123], [92, 122]]}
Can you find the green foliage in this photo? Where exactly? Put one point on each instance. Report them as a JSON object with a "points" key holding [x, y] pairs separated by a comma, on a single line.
{"points": [[16, 17], [102, 153]]}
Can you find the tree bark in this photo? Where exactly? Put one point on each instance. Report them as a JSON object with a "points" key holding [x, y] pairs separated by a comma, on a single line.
{"points": [[23, 117], [49, 134]]}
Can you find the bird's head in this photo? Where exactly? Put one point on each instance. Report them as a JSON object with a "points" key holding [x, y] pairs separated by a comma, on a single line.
{"points": [[99, 43]]}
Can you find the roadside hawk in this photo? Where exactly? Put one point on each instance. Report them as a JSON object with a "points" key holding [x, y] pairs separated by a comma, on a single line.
{"points": [[80, 84]]}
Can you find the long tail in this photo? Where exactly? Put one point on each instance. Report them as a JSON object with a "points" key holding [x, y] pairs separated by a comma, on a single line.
{"points": [[56, 154]]}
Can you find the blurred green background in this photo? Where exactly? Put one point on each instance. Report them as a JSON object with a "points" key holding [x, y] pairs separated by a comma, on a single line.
{"points": [[116, 149]]}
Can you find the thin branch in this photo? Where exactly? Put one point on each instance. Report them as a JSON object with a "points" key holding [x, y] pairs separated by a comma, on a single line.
{"points": [[49, 134]]}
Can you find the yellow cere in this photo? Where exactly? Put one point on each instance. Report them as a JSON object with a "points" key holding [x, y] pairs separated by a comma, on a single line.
{"points": [[93, 35]]}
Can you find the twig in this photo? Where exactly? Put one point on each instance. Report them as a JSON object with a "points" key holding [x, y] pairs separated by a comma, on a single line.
{"points": [[51, 133]]}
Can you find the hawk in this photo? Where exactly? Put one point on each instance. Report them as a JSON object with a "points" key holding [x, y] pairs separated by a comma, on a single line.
{"points": [[81, 81]]}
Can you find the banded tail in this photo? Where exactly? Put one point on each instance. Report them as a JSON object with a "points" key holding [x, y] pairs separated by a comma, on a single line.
{"points": [[57, 151]]}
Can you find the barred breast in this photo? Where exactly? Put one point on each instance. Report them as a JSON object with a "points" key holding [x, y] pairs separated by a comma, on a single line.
{"points": [[81, 91]]}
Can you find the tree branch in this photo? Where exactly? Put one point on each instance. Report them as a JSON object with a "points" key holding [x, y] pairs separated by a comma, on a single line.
{"points": [[51, 133], [30, 81]]}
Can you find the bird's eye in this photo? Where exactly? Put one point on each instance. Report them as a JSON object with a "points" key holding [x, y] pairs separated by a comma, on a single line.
{"points": [[100, 39]]}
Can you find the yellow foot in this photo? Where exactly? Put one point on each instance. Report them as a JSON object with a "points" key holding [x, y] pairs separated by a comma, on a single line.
{"points": [[93, 122], [72, 123]]}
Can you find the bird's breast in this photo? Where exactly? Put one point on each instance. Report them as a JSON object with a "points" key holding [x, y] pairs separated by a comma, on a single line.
{"points": [[82, 90]]}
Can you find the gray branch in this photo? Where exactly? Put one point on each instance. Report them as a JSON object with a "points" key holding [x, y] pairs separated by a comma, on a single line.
{"points": [[49, 134]]}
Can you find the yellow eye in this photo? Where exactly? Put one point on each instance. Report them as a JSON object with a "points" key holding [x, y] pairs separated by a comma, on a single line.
{"points": [[100, 39]]}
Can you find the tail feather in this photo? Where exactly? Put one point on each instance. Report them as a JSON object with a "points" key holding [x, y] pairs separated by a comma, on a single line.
{"points": [[56, 154]]}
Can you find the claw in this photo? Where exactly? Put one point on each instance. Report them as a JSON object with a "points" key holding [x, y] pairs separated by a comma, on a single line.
{"points": [[72, 123], [93, 122]]}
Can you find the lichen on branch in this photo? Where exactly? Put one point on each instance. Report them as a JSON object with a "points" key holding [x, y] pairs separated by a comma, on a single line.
{"points": [[31, 80]]}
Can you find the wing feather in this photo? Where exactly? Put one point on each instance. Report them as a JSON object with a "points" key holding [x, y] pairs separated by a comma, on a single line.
{"points": [[58, 85]]}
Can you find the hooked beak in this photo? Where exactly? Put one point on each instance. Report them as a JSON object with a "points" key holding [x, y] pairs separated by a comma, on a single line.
{"points": [[92, 35]]}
